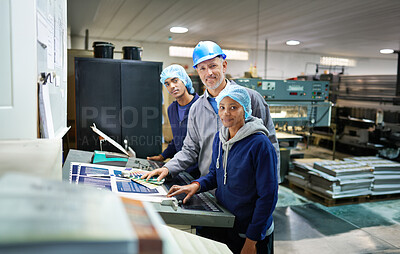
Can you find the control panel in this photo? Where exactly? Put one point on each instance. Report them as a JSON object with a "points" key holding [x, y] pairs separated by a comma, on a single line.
{"points": [[288, 90], [201, 210], [144, 164], [199, 201]]}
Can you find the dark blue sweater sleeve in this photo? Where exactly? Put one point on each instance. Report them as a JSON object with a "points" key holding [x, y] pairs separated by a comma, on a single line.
{"points": [[265, 163], [209, 181], [170, 151]]}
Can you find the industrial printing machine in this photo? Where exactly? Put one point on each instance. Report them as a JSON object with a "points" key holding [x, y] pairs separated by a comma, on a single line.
{"points": [[296, 108], [358, 114], [294, 103], [366, 114]]}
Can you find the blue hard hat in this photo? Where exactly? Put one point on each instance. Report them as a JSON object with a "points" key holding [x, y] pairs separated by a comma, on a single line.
{"points": [[206, 50]]}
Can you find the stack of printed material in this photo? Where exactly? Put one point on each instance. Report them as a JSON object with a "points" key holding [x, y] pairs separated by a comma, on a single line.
{"points": [[111, 178], [386, 174], [349, 178], [42, 216], [300, 174], [334, 179]]}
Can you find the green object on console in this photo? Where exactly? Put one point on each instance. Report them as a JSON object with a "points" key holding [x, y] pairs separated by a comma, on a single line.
{"points": [[107, 158]]}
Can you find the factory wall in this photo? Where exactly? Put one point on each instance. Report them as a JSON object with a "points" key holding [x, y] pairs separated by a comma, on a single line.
{"points": [[280, 65]]}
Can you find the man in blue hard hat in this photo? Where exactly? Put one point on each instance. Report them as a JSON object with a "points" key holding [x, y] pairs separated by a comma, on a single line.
{"points": [[203, 122]]}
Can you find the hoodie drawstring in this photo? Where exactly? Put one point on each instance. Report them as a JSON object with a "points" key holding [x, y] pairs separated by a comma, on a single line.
{"points": [[224, 165], [219, 152], [224, 162]]}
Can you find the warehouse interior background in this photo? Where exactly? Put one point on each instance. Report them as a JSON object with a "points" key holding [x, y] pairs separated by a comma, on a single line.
{"points": [[349, 121], [362, 90], [356, 30], [338, 42]]}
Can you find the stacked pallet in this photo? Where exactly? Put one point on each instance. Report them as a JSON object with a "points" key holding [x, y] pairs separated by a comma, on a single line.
{"points": [[333, 179], [386, 174]]}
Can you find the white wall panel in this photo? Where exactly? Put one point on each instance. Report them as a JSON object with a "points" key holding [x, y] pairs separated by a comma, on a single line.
{"points": [[19, 117], [5, 56]]}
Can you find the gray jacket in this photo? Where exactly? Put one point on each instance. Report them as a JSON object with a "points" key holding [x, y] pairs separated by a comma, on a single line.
{"points": [[202, 126]]}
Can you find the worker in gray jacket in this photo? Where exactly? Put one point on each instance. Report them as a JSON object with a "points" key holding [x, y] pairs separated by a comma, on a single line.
{"points": [[203, 122]]}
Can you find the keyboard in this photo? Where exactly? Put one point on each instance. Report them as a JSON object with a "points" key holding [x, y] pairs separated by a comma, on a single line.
{"points": [[199, 201]]}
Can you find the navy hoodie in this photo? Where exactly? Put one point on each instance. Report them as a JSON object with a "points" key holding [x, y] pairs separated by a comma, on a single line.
{"points": [[243, 169]]}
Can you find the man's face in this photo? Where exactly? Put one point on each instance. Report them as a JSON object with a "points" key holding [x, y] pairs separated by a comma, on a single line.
{"points": [[175, 87], [212, 72], [231, 113]]}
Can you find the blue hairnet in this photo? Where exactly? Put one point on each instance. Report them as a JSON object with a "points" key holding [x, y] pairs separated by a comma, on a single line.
{"points": [[177, 71], [239, 94]]}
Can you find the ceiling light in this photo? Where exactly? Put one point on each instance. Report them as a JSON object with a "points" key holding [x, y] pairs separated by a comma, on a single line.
{"points": [[178, 30], [188, 52], [386, 51], [292, 43], [181, 51], [336, 61]]}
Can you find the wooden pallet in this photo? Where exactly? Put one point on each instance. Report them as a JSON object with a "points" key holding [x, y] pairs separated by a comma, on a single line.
{"points": [[326, 201], [384, 197]]}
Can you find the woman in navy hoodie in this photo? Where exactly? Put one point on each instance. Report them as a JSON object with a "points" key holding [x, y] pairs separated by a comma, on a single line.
{"points": [[179, 85], [243, 169]]}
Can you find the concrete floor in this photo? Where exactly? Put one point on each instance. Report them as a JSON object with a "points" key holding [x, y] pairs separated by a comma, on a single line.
{"points": [[303, 226]]}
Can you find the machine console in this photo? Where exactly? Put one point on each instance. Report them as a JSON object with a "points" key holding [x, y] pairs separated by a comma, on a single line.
{"points": [[288, 90], [201, 201]]}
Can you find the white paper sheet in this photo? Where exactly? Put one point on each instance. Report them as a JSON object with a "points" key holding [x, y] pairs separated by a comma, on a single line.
{"points": [[58, 41], [42, 29], [46, 118], [103, 135], [50, 43]]}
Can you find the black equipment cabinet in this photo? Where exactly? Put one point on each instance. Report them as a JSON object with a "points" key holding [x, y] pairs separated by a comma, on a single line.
{"points": [[123, 99]]}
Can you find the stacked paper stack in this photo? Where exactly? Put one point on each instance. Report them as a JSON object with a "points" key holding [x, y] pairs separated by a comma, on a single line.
{"points": [[334, 179], [348, 178], [300, 174], [386, 174]]}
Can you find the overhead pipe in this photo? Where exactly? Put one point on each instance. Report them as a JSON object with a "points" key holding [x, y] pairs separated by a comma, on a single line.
{"points": [[87, 39], [396, 99], [398, 73], [266, 58]]}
